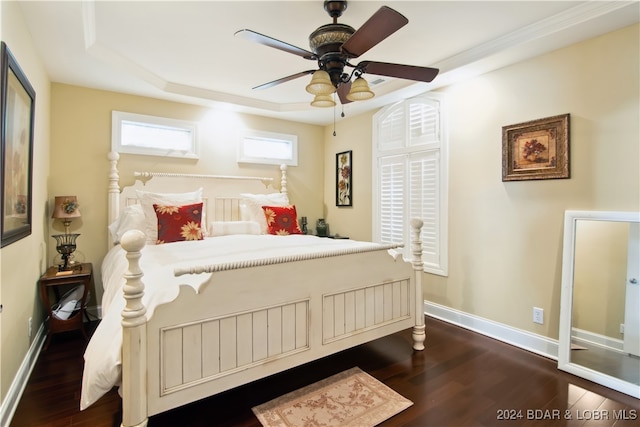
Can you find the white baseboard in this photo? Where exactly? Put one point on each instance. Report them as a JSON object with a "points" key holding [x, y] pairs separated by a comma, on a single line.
{"points": [[11, 400], [535, 343], [580, 336]]}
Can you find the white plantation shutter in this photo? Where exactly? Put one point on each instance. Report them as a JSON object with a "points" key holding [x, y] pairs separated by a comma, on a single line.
{"points": [[392, 183], [424, 122], [392, 131], [410, 178], [424, 202]]}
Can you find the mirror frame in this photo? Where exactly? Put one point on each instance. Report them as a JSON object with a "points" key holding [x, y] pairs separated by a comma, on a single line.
{"points": [[566, 300]]}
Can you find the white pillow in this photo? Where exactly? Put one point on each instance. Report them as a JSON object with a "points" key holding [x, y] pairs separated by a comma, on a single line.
{"points": [[148, 199], [251, 207], [225, 228], [131, 218]]}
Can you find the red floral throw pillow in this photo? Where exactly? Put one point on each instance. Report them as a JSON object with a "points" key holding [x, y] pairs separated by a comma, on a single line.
{"points": [[281, 220], [178, 223]]}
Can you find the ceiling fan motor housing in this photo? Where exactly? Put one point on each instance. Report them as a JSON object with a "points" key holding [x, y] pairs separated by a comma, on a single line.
{"points": [[325, 42]]}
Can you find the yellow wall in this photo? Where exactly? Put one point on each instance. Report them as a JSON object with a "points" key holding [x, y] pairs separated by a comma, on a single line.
{"points": [[81, 140], [22, 262], [505, 238]]}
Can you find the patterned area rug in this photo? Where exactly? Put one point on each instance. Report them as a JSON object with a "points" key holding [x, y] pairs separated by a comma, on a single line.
{"points": [[350, 398]]}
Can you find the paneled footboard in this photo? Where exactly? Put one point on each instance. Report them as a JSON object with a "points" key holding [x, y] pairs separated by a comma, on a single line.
{"points": [[202, 351], [354, 311], [248, 323]]}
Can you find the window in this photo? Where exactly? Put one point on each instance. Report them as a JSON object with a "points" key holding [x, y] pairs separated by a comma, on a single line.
{"points": [[410, 178], [268, 148], [156, 136]]}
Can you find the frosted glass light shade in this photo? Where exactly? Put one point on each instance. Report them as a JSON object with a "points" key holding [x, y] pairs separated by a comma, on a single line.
{"points": [[323, 101], [360, 90], [320, 84]]}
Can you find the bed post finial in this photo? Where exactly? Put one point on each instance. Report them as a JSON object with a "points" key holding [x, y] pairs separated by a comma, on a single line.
{"points": [[113, 201], [134, 336], [283, 179], [419, 334]]}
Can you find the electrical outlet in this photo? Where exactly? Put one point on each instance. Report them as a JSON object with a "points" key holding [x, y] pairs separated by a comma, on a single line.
{"points": [[30, 326], [538, 315], [622, 328]]}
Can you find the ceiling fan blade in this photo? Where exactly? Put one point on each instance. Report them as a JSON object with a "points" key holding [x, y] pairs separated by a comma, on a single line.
{"points": [[343, 90], [283, 79], [409, 72], [255, 37], [381, 25]]}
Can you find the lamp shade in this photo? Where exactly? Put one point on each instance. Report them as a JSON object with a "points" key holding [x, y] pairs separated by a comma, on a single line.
{"points": [[360, 90], [323, 101], [65, 207], [320, 84]]}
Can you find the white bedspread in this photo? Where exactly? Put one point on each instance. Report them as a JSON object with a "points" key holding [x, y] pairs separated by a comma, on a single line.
{"points": [[158, 262]]}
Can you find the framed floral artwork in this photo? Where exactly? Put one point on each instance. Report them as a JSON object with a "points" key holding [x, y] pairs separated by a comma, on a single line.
{"points": [[538, 149], [344, 179], [17, 110]]}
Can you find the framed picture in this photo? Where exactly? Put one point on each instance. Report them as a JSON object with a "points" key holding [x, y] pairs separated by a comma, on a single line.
{"points": [[344, 179], [538, 149], [17, 111]]}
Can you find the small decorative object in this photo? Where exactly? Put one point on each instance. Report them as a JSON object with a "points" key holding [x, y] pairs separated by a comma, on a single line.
{"points": [[322, 228], [16, 137], [344, 179], [303, 223], [65, 208], [538, 149], [65, 245]]}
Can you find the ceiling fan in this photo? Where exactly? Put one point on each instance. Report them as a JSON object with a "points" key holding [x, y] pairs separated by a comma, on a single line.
{"points": [[334, 45]]}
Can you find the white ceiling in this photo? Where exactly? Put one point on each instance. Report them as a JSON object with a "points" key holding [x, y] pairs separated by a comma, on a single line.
{"points": [[186, 51]]}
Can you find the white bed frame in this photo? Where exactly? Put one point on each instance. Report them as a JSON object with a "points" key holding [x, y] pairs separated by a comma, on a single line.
{"points": [[251, 322]]}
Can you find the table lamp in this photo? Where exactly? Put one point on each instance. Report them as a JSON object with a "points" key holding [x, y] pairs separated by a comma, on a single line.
{"points": [[65, 208]]}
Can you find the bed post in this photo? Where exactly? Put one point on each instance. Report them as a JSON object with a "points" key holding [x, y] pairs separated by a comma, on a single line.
{"points": [[283, 179], [134, 337], [113, 202], [419, 334]]}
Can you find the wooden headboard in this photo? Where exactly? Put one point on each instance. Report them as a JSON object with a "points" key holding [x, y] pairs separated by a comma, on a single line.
{"points": [[220, 193]]}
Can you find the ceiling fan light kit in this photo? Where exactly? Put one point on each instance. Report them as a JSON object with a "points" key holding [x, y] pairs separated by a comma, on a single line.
{"points": [[360, 90], [334, 45], [323, 101], [320, 84]]}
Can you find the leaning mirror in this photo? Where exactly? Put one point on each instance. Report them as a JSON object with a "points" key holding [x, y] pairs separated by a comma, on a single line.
{"points": [[599, 337]]}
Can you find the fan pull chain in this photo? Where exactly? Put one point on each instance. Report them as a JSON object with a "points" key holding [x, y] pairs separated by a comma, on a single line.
{"points": [[334, 115]]}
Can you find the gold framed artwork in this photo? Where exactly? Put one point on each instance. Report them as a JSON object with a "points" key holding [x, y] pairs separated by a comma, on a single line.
{"points": [[538, 149], [17, 111]]}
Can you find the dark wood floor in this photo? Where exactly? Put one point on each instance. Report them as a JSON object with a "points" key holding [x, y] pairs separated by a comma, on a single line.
{"points": [[461, 379]]}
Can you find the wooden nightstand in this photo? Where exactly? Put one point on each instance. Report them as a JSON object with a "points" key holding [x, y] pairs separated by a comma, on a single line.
{"points": [[55, 281]]}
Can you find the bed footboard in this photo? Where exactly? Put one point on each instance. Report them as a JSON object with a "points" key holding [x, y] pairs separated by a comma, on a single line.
{"points": [[205, 343]]}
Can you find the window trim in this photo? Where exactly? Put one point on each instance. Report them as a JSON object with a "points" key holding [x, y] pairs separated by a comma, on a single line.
{"points": [[244, 157], [118, 117]]}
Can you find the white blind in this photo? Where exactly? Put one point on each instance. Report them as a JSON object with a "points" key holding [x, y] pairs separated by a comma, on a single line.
{"points": [[424, 201], [424, 124], [392, 183], [392, 130]]}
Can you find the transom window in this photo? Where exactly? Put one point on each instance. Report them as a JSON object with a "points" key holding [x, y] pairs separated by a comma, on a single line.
{"points": [[151, 135], [268, 148]]}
